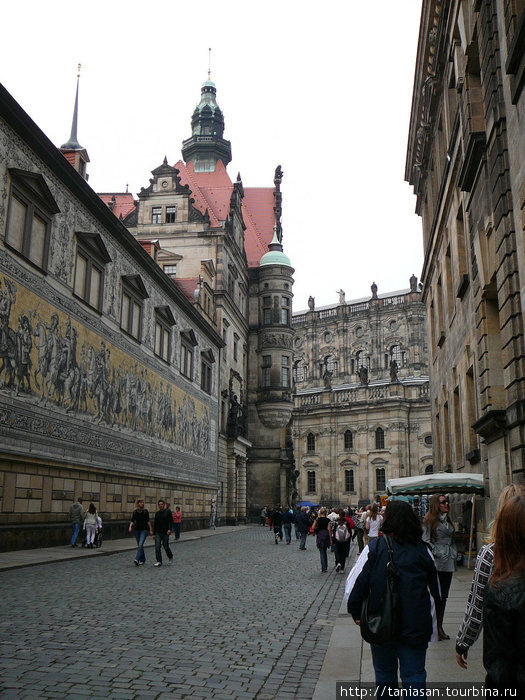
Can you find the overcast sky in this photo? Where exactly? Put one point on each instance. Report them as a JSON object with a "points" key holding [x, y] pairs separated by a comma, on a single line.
{"points": [[322, 88]]}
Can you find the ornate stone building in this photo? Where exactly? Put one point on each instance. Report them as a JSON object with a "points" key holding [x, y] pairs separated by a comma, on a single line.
{"points": [[213, 237], [466, 162], [93, 399], [362, 413]]}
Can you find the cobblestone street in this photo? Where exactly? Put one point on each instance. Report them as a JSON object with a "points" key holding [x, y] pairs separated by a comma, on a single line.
{"points": [[234, 617]]}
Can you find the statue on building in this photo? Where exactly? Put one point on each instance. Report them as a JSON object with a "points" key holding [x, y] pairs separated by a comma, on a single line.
{"points": [[374, 290], [292, 474], [363, 375], [341, 296], [327, 378], [234, 417], [413, 283], [394, 370], [311, 303]]}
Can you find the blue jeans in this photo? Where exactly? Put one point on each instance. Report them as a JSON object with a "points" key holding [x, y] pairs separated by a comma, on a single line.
{"points": [[76, 529], [324, 559], [176, 530], [288, 532], [411, 659], [140, 536], [163, 540]]}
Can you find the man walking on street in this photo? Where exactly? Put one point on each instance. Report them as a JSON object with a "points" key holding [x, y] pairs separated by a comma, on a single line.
{"points": [[303, 525], [213, 514], [162, 525], [76, 515], [288, 519]]}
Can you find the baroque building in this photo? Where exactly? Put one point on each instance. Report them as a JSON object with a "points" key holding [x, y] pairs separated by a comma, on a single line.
{"points": [[362, 412], [221, 244], [93, 400], [466, 162]]}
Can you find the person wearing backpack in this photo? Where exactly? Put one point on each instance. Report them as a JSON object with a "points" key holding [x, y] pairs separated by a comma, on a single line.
{"points": [[341, 536], [418, 594]]}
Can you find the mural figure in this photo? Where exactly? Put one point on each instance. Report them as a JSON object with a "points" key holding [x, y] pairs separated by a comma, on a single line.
{"points": [[93, 385]]}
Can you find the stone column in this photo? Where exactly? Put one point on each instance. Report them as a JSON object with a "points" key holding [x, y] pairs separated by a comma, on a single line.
{"points": [[240, 469]]}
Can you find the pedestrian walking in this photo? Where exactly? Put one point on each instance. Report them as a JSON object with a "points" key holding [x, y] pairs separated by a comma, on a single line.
{"points": [[359, 531], [141, 524], [296, 524], [76, 515], [213, 514], [287, 524], [162, 524], [90, 525], [438, 533], [177, 519], [417, 586], [373, 522], [262, 517], [341, 537], [473, 618], [323, 538], [277, 521], [504, 604], [303, 525]]}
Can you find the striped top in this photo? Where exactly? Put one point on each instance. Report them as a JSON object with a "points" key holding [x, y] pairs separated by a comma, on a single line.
{"points": [[473, 619]]}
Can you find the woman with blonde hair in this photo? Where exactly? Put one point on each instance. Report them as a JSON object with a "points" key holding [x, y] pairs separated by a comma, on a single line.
{"points": [[473, 618], [504, 603], [438, 532]]}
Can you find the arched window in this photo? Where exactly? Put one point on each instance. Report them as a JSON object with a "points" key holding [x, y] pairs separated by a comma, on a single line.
{"points": [[349, 480], [349, 440], [429, 469], [380, 480], [331, 364], [310, 479], [395, 354], [310, 442], [380, 439]]}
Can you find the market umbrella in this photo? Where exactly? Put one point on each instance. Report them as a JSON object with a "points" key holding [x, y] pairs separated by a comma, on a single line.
{"points": [[309, 504]]}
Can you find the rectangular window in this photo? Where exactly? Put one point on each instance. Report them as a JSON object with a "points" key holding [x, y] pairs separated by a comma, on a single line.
{"points": [[89, 271], [267, 311], [186, 360], [266, 370], [349, 480], [285, 371], [380, 480], [162, 340], [170, 270], [156, 215], [133, 295], [285, 311], [311, 482], [171, 215], [27, 231], [206, 377]]}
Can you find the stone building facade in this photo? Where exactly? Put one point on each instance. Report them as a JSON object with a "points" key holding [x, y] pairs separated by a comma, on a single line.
{"points": [[93, 399], [362, 412], [466, 162], [210, 236]]}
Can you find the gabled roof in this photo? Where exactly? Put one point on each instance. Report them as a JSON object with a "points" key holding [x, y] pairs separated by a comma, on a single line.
{"points": [[124, 203], [212, 191], [187, 285]]}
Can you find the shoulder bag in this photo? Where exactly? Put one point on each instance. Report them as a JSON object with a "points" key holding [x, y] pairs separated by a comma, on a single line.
{"points": [[384, 624]]}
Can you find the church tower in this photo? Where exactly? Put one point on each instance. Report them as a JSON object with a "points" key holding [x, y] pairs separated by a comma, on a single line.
{"points": [[206, 146]]}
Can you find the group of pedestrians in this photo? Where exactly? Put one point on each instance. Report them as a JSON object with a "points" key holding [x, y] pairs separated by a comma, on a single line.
{"points": [[423, 558], [89, 521], [164, 523]]}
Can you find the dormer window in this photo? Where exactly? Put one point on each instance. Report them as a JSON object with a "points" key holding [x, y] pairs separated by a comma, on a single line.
{"points": [[188, 341], [90, 264], [30, 209], [171, 214], [164, 321], [131, 309], [156, 215]]}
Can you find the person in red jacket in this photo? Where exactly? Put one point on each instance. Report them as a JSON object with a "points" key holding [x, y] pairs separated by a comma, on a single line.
{"points": [[177, 519]]}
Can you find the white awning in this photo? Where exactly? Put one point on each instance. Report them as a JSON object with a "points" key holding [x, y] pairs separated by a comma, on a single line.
{"points": [[434, 483]]}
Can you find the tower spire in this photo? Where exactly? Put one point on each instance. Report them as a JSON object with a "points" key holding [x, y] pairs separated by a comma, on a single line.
{"points": [[209, 64], [73, 143]]}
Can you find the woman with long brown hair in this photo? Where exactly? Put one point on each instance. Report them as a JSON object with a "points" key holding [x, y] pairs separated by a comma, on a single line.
{"points": [[473, 618], [438, 532], [504, 602]]}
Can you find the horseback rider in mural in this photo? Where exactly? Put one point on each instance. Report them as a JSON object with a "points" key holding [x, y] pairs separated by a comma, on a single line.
{"points": [[7, 334]]}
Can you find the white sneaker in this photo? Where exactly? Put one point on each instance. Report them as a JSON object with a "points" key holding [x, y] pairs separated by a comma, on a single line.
{"points": [[338, 567], [157, 563]]}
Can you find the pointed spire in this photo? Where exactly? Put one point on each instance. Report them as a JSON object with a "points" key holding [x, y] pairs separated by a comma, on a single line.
{"points": [[73, 143]]}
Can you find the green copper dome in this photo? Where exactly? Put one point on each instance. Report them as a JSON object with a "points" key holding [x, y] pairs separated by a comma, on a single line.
{"points": [[275, 255]]}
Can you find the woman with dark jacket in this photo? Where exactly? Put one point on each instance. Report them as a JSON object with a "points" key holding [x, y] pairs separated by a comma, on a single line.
{"points": [[418, 591], [323, 538], [504, 603]]}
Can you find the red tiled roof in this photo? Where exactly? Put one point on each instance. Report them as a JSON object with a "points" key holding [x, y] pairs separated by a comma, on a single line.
{"points": [[258, 214], [187, 286], [213, 191], [124, 202]]}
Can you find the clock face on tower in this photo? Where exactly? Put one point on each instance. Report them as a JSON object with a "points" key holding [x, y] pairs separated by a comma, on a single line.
{"points": [[164, 184]]}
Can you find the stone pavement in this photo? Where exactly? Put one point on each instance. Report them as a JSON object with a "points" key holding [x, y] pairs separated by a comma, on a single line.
{"points": [[233, 617]]}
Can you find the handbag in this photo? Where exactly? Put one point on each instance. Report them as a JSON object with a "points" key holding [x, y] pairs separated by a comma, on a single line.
{"points": [[384, 624]]}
